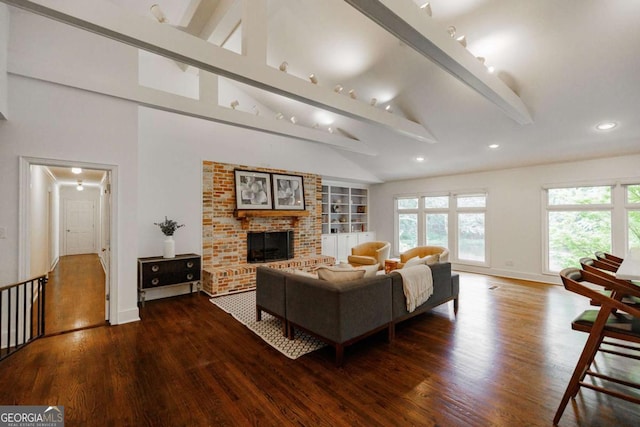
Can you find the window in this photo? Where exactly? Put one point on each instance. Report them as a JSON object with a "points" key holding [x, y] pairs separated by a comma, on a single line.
{"points": [[426, 220], [436, 220], [470, 210], [578, 224], [633, 215], [407, 209]]}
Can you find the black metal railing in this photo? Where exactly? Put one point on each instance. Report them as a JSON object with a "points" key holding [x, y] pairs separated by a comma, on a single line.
{"points": [[21, 314]]}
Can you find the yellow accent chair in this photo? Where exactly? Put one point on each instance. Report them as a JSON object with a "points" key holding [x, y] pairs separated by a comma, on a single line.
{"points": [[423, 251], [370, 253]]}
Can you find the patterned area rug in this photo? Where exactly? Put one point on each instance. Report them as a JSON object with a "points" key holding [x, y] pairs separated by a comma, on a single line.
{"points": [[242, 306]]}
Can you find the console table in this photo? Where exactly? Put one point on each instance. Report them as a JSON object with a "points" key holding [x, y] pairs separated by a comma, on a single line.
{"points": [[157, 272]]}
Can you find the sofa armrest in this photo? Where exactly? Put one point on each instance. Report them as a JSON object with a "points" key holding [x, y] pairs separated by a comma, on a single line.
{"points": [[443, 291], [270, 291], [339, 312]]}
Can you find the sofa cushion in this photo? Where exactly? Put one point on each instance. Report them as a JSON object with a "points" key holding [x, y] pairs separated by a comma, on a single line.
{"points": [[338, 274]]}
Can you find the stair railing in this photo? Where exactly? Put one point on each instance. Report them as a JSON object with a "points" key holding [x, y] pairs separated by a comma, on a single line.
{"points": [[22, 313]]}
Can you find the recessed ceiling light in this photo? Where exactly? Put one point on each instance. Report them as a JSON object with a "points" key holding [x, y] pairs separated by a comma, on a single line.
{"points": [[606, 125], [76, 170], [419, 159], [494, 146]]}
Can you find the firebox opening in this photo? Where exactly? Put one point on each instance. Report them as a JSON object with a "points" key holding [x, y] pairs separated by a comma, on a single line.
{"points": [[269, 246]]}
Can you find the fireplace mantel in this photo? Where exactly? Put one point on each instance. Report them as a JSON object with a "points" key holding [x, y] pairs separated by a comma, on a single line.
{"points": [[245, 215]]}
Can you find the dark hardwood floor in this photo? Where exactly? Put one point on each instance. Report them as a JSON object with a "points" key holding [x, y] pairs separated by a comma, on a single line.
{"points": [[504, 360], [75, 294]]}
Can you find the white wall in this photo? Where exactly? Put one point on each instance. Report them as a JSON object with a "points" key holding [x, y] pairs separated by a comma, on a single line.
{"points": [[4, 45], [41, 183], [515, 207]]}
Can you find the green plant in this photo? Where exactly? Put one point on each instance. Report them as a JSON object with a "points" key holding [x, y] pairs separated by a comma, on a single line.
{"points": [[168, 226]]}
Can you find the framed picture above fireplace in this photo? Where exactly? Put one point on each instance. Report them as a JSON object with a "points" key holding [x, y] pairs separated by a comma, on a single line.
{"points": [[288, 192], [253, 190]]}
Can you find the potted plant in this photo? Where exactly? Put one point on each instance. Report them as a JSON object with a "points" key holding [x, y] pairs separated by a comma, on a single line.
{"points": [[168, 227]]}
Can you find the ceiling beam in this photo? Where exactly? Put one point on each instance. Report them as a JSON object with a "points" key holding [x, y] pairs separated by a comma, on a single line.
{"points": [[401, 18], [106, 19]]}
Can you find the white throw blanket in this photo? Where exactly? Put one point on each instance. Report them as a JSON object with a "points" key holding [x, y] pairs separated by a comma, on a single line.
{"points": [[417, 283]]}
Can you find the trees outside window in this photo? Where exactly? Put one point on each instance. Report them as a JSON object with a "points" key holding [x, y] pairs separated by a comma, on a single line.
{"points": [[578, 224]]}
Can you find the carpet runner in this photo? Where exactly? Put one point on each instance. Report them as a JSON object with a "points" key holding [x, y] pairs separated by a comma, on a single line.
{"points": [[242, 306]]}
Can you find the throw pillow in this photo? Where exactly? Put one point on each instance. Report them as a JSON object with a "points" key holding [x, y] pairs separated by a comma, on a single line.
{"points": [[427, 259], [305, 274], [416, 260], [339, 275], [431, 259], [370, 270]]}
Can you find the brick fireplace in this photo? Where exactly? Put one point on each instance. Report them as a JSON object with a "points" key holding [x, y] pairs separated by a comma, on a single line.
{"points": [[224, 240]]}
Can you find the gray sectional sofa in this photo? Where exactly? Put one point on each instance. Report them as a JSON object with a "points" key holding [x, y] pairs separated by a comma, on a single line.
{"points": [[341, 314]]}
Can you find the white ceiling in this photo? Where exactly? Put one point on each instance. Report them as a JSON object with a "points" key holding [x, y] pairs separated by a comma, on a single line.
{"points": [[574, 63]]}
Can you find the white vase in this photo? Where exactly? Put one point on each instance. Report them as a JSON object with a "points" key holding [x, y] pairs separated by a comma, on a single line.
{"points": [[169, 248]]}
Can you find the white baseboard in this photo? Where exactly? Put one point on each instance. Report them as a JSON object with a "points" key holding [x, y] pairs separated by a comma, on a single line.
{"points": [[127, 316], [542, 278]]}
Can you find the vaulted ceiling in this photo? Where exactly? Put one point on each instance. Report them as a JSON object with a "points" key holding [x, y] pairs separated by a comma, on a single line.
{"points": [[560, 69]]}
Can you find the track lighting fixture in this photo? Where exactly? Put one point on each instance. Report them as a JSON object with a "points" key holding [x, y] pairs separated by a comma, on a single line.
{"points": [[283, 66], [234, 104], [427, 8], [462, 40], [373, 102], [388, 108], [352, 94], [279, 116], [158, 14], [255, 110], [451, 30], [481, 59], [313, 78], [338, 88], [293, 120]]}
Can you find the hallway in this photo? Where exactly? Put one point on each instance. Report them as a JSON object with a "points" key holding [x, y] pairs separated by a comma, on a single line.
{"points": [[75, 294]]}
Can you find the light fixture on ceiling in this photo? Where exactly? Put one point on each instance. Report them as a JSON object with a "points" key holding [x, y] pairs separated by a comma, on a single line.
{"points": [[330, 129], [234, 104], [462, 40], [388, 108], [80, 187], [338, 88], [293, 120], [606, 125], [76, 171], [491, 68], [427, 8], [451, 30], [373, 102], [352, 94], [420, 159], [158, 14], [255, 110], [279, 116], [313, 78], [494, 146], [481, 59], [283, 66]]}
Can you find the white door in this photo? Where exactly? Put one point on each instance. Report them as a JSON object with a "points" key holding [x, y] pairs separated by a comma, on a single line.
{"points": [[80, 227]]}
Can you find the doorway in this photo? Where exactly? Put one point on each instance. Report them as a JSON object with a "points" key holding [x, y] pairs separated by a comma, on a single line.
{"points": [[76, 242]]}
